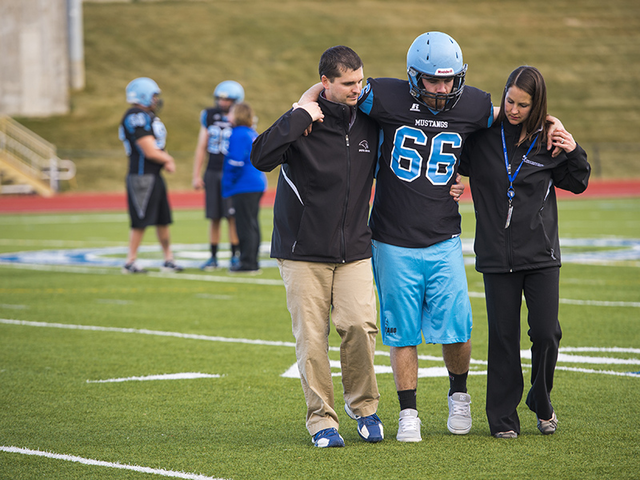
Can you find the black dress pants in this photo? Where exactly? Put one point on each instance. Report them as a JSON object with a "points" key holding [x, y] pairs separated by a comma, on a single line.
{"points": [[505, 383], [247, 207]]}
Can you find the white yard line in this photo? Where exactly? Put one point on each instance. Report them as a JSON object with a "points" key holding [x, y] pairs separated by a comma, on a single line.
{"points": [[5, 242], [63, 219], [563, 357], [598, 303], [569, 301], [99, 463], [250, 280], [166, 376], [591, 370], [159, 333], [219, 279], [116, 271]]}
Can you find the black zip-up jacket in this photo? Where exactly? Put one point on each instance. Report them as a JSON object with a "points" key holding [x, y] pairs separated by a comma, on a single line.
{"points": [[531, 239], [322, 198]]}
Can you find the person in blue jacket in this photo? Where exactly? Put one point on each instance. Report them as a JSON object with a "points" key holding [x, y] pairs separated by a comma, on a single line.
{"points": [[244, 184]]}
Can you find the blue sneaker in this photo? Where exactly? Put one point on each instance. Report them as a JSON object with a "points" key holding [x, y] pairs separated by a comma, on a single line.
{"points": [[329, 437], [210, 265], [235, 262], [369, 428]]}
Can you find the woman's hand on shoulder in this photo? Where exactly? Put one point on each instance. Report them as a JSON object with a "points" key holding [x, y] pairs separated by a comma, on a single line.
{"points": [[562, 139]]}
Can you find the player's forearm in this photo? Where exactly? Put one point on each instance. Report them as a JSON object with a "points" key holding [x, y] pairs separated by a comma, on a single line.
{"points": [[159, 156], [201, 152], [197, 164], [151, 151], [312, 94]]}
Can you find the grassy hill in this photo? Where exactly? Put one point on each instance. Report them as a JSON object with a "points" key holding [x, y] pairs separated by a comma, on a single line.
{"points": [[588, 51]]}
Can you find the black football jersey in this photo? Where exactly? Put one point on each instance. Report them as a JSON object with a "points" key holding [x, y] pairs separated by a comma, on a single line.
{"points": [[418, 161], [136, 124], [219, 129]]}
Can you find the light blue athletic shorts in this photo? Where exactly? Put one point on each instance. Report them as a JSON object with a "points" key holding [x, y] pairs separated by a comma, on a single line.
{"points": [[422, 290]]}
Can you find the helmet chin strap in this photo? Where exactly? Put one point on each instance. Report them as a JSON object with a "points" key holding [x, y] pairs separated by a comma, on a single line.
{"points": [[423, 96], [446, 100]]}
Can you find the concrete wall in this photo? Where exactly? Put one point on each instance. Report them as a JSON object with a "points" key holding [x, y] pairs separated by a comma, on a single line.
{"points": [[34, 57]]}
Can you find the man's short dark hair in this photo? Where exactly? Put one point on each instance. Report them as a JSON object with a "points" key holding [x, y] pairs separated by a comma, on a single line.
{"points": [[337, 60]]}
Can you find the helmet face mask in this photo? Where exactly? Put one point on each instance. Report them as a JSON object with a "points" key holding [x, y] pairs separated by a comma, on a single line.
{"points": [[157, 103], [436, 55], [144, 91]]}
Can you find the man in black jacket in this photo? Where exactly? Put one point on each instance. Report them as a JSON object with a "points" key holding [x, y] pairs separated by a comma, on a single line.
{"points": [[323, 244]]}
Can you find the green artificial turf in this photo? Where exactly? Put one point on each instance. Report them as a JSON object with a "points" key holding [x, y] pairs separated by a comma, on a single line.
{"points": [[247, 422]]}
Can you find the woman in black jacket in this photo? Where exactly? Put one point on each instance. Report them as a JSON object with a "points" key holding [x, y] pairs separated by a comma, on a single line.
{"points": [[513, 177]]}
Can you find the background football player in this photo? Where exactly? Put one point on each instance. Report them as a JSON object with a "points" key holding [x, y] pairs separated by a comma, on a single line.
{"points": [[144, 137], [213, 140]]}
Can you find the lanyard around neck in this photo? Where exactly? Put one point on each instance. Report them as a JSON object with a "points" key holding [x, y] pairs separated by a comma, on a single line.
{"points": [[511, 192]]}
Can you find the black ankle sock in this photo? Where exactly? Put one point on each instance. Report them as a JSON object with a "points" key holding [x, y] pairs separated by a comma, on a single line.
{"points": [[214, 250], [407, 399], [234, 250], [458, 383]]}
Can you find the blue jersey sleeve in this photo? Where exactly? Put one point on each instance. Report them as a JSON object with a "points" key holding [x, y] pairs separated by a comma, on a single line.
{"points": [[365, 102], [138, 124], [203, 118]]}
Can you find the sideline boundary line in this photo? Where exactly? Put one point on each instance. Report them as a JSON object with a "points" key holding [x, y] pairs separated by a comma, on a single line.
{"points": [[100, 463], [159, 333], [525, 353], [569, 301], [252, 280], [116, 271]]}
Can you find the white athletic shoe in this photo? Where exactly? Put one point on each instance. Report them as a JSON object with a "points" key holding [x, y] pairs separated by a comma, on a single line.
{"points": [[409, 426], [459, 413]]}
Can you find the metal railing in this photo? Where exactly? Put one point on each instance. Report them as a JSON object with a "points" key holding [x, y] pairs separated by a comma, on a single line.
{"points": [[30, 162]]}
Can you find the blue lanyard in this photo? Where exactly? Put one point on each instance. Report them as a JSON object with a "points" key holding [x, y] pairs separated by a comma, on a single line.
{"points": [[510, 191]]}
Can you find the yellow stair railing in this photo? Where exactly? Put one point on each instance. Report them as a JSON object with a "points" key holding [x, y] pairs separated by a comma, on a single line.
{"points": [[28, 163]]}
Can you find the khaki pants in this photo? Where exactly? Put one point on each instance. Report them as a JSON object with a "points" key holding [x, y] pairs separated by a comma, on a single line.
{"points": [[318, 293]]}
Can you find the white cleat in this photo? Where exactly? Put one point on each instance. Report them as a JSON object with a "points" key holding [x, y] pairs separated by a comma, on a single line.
{"points": [[459, 421], [409, 426]]}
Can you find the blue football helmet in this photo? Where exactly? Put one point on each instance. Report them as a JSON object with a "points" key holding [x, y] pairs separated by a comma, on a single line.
{"points": [[141, 91], [229, 90], [436, 54]]}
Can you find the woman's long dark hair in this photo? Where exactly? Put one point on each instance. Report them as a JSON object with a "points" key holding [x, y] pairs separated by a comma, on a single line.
{"points": [[529, 80]]}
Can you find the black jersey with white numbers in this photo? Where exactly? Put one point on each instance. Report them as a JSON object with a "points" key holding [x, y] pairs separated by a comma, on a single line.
{"points": [[418, 161], [219, 130], [138, 123]]}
